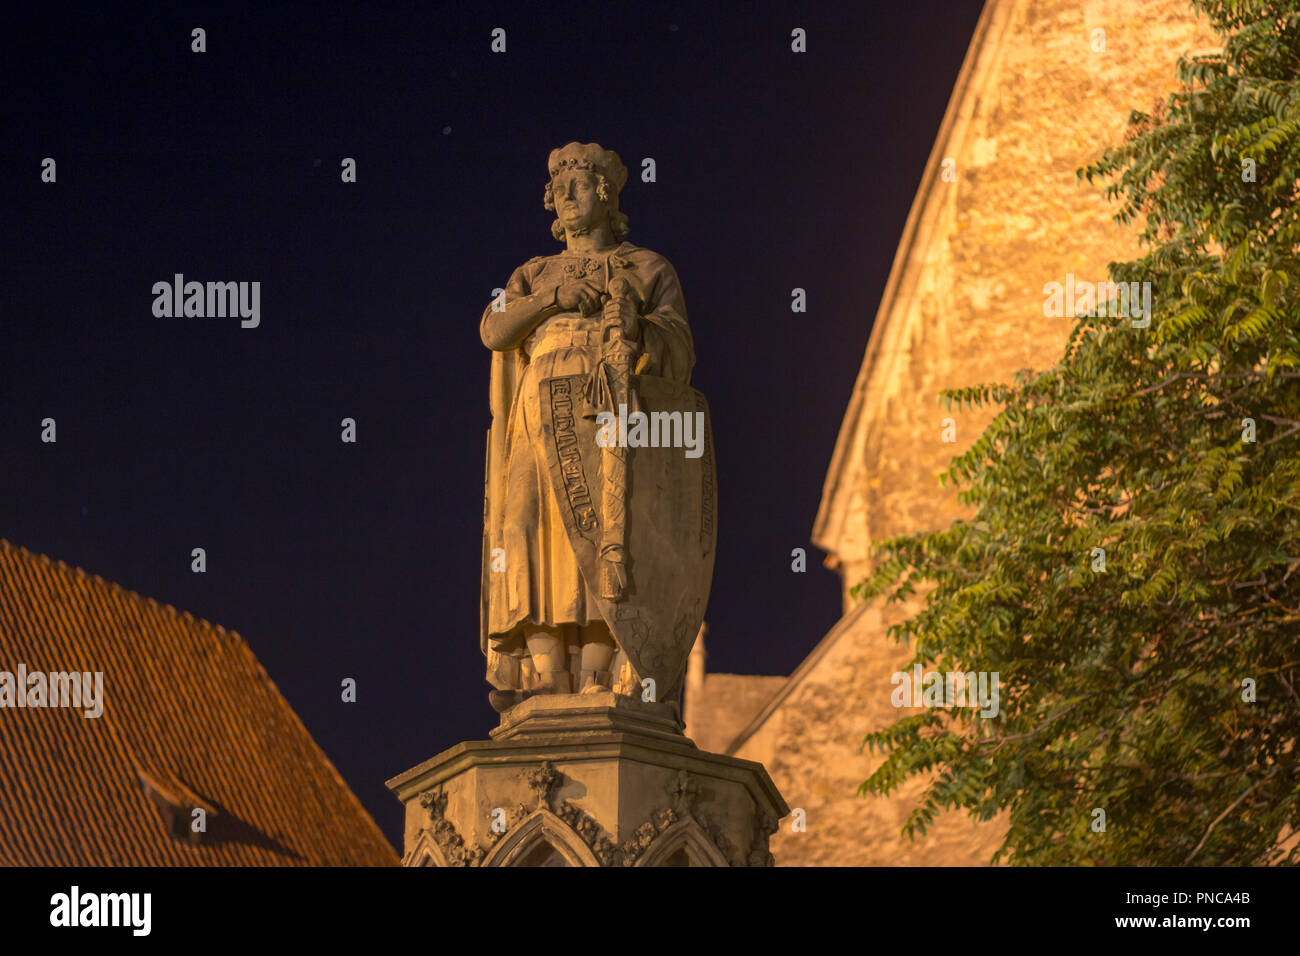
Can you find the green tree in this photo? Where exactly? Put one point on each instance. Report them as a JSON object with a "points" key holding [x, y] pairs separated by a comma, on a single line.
{"points": [[1125, 690]]}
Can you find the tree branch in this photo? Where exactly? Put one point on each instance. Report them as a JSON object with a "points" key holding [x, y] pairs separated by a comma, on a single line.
{"points": [[1219, 818]]}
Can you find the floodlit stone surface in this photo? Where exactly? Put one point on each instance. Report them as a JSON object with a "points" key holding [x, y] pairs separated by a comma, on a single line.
{"points": [[599, 520], [599, 538], [587, 780], [963, 306]]}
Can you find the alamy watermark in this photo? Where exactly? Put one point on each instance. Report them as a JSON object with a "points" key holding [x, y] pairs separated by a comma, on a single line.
{"points": [[1125, 300], [81, 690], [652, 430], [211, 300], [953, 689], [129, 910]]}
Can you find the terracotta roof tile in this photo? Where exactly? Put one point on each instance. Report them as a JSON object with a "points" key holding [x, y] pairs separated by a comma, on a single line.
{"points": [[189, 707]]}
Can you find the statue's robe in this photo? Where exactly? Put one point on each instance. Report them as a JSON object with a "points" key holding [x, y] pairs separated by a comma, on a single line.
{"points": [[541, 582]]}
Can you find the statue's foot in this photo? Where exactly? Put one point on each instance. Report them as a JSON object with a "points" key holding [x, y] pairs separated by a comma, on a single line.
{"points": [[595, 682], [554, 682]]}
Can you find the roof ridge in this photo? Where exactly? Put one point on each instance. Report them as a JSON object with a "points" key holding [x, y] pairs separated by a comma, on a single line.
{"points": [[122, 589], [838, 630], [996, 15], [233, 646], [349, 794]]}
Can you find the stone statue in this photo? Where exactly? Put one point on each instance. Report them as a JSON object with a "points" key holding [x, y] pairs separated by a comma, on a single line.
{"points": [[599, 512]]}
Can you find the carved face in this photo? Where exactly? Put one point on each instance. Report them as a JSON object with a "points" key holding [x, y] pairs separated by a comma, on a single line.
{"points": [[576, 204]]}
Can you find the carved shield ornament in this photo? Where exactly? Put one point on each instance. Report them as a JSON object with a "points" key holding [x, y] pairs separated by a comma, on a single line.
{"points": [[671, 519]]}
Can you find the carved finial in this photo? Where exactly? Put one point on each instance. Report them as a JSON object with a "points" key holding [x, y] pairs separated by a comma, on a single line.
{"points": [[435, 801], [685, 791], [764, 826], [544, 781]]}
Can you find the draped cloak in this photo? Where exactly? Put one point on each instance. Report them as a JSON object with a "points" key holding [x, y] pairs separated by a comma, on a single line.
{"points": [[514, 596]]}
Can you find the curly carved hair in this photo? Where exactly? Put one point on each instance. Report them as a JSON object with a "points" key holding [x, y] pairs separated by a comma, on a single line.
{"points": [[618, 222]]}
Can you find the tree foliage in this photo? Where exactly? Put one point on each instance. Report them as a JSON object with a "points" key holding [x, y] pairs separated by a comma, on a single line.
{"points": [[1125, 690]]}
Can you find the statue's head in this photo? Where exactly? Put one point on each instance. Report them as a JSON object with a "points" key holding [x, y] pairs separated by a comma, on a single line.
{"points": [[583, 189]]}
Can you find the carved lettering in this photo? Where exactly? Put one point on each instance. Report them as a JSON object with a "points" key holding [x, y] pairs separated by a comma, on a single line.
{"points": [[576, 489]]}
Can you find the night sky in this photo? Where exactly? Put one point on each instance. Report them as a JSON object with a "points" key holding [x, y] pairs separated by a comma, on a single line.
{"points": [[334, 560]]}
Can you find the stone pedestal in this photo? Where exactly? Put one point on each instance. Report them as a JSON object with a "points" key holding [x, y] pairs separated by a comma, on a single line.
{"points": [[595, 780]]}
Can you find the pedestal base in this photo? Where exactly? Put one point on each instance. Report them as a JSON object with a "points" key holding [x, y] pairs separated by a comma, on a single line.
{"points": [[587, 780]]}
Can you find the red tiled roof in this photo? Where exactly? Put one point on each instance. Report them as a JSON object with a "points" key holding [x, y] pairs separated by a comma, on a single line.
{"points": [[189, 716]]}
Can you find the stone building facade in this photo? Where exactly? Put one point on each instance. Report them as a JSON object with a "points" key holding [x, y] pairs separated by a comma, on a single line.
{"points": [[1046, 85]]}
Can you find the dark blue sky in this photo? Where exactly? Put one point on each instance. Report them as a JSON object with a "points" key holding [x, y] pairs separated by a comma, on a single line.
{"points": [[775, 170]]}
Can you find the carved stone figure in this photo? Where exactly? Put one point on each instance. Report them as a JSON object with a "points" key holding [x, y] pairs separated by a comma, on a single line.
{"points": [[599, 515]]}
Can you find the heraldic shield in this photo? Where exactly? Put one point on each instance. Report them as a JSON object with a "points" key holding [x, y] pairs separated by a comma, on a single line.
{"points": [[670, 521]]}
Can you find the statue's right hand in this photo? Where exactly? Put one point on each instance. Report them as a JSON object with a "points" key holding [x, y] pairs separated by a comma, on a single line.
{"points": [[580, 295]]}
